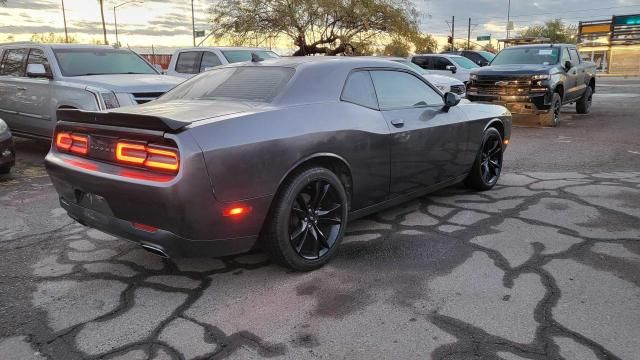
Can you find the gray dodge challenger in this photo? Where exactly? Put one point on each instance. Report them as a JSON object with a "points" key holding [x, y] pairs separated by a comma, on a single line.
{"points": [[276, 153]]}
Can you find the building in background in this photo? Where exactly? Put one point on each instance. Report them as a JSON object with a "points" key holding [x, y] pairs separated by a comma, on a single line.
{"points": [[614, 44]]}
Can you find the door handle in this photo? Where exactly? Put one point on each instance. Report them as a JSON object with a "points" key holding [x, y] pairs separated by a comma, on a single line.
{"points": [[397, 123]]}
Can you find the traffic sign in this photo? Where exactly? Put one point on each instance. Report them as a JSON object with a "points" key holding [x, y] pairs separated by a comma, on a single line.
{"points": [[199, 33], [484, 38]]}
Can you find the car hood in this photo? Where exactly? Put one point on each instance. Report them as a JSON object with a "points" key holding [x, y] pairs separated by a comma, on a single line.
{"points": [[129, 83], [513, 69], [442, 80], [189, 110]]}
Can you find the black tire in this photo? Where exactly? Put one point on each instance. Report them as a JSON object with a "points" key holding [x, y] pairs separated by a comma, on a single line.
{"points": [[584, 104], [552, 118], [5, 169], [307, 220], [487, 167]]}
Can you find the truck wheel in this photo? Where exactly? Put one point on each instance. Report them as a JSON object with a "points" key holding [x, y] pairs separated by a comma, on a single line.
{"points": [[488, 164], [5, 169], [308, 219], [584, 104], [552, 118]]}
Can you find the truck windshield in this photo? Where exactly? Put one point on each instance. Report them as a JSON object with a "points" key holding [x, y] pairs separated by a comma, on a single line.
{"points": [[528, 55], [250, 84], [83, 61], [463, 62], [234, 56], [487, 55]]}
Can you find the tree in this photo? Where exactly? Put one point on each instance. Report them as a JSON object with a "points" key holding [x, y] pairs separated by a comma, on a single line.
{"points": [[52, 38], [556, 30], [424, 44], [397, 47], [314, 26]]}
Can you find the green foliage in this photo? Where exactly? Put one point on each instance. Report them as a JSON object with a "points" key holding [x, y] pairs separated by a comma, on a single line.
{"points": [[424, 44], [556, 30], [397, 47], [52, 38], [314, 26]]}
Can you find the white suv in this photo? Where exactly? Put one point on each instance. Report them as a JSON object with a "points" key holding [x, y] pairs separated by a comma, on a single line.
{"points": [[36, 80], [189, 62], [455, 66]]}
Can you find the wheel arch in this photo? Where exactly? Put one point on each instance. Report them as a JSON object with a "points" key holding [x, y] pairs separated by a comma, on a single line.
{"points": [[560, 90], [592, 84], [336, 163], [497, 124]]}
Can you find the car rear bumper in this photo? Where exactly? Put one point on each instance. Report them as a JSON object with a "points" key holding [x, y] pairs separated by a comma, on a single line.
{"points": [[7, 152], [161, 242], [530, 104]]}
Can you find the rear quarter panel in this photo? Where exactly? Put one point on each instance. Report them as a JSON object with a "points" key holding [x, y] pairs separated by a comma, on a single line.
{"points": [[249, 157]]}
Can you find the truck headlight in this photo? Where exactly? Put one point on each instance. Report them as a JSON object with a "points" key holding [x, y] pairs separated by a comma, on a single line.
{"points": [[540, 77], [3, 126], [109, 99]]}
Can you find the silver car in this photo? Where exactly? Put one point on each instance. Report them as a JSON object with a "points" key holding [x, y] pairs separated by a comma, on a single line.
{"points": [[37, 79]]}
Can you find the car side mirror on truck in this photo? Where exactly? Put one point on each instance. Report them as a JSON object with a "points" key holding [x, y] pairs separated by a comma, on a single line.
{"points": [[567, 65], [38, 71], [450, 100], [452, 68]]}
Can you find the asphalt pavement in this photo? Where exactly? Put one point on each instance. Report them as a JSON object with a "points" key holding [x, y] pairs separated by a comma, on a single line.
{"points": [[545, 266]]}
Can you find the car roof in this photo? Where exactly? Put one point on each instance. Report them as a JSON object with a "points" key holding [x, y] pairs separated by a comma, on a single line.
{"points": [[57, 46], [223, 48], [323, 61], [445, 55], [539, 45]]}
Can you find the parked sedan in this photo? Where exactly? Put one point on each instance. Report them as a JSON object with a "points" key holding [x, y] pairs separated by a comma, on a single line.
{"points": [[7, 151], [279, 154]]}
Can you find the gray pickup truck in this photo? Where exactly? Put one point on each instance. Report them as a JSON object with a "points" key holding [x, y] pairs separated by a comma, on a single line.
{"points": [[536, 79], [36, 80]]}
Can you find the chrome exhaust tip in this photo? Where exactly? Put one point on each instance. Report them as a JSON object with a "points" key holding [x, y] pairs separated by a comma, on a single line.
{"points": [[154, 250]]}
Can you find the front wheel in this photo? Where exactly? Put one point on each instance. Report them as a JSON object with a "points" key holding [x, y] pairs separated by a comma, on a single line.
{"points": [[487, 167], [307, 220], [552, 118]]}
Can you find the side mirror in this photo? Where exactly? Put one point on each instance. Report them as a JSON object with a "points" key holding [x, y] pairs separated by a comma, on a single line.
{"points": [[452, 68], [567, 65], [37, 71], [450, 100]]}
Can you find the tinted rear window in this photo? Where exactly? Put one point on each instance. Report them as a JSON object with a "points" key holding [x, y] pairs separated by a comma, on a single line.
{"points": [[257, 84]]}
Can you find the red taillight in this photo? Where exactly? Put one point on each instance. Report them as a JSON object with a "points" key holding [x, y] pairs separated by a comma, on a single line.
{"points": [[75, 143], [149, 156], [145, 227], [237, 211]]}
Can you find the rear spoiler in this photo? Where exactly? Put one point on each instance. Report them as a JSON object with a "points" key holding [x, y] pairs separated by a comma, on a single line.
{"points": [[136, 121]]}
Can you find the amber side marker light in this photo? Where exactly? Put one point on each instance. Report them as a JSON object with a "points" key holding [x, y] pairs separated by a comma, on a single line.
{"points": [[74, 143], [237, 211], [506, 142]]}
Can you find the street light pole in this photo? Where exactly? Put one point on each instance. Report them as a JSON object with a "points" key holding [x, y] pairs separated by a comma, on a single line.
{"points": [[115, 18], [193, 24], [508, 18], [64, 18]]}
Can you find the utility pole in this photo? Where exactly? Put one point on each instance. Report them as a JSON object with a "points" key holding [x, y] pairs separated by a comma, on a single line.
{"points": [[469, 35], [508, 18], [193, 24], [64, 18], [115, 18], [104, 27], [453, 29]]}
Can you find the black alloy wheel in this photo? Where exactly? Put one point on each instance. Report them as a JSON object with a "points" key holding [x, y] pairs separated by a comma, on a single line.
{"points": [[487, 167], [315, 221], [552, 118], [307, 219]]}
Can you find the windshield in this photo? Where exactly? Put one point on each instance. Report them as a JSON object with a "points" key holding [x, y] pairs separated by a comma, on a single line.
{"points": [[234, 56], [487, 55], [413, 66], [528, 55], [254, 84], [79, 62], [464, 62]]}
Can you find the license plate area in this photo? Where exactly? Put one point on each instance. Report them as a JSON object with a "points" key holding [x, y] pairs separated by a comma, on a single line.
{"points": [[103, 147]]}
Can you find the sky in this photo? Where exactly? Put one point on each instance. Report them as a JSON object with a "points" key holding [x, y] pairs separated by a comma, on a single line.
{"points": [[168, 22]]}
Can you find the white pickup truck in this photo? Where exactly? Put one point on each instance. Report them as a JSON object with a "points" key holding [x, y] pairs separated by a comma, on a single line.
{"points": [[189, 62]]}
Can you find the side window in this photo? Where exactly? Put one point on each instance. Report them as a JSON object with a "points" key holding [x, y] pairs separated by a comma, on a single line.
{"points": [[397, 89], [209, 60], [359, 90], [421, 61], [189, 62], [37, 56], [565, 56], [575, 57], [440, 63], [13, 62]]}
